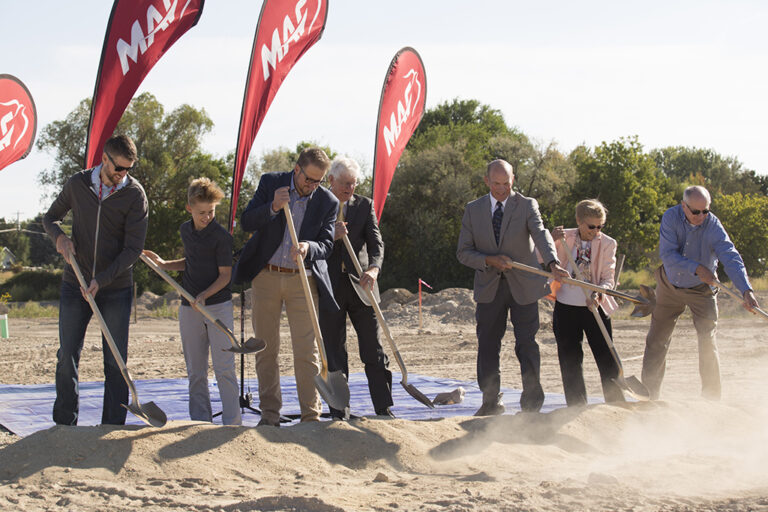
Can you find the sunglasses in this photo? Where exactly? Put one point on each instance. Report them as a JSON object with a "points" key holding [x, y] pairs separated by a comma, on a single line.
{"points": [[310, 181], [119, 168], [593, 226], [705, 211]]}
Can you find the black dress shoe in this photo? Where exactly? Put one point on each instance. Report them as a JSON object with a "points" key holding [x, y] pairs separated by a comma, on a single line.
{"points": [[340, 414], [491, 407], [385, 412]]}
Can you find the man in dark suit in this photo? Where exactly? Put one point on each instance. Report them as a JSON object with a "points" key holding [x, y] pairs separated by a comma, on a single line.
{"points": [[499, 228], [268, 260], [356, 219]]}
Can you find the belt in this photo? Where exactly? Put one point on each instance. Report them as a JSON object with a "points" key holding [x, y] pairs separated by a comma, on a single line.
{"points": [[284, 270]]}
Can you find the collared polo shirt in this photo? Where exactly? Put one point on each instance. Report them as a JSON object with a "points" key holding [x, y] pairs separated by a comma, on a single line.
{"points": [[204, 252]]}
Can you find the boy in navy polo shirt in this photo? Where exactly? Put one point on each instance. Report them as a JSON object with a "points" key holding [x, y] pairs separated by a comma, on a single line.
{"points": [[207, 267]]}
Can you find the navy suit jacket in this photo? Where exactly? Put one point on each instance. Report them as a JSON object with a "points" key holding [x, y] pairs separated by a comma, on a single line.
{"points": [[268, 231]]}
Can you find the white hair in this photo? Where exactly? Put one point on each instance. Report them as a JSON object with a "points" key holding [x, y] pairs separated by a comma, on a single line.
{"points": [[344, 165], [697, 191]]}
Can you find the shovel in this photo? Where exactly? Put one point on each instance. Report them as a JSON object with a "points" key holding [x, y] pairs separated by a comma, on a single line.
{"points": [[149, 413], [249, 347], [644, 303], [332, 386], [738, 297], [631, 385], [410, 388]]}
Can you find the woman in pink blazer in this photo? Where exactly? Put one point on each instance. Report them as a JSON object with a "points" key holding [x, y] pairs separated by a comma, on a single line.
{"points": [[595, 254]]}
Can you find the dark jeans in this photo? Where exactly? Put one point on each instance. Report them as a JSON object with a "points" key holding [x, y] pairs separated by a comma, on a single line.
{"points": [[334, 330], [74, 315], [491, 320], [570, 323]]}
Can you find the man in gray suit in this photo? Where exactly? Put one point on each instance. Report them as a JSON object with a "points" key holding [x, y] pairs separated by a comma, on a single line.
{"points": [[499, 228], [356, 219]]}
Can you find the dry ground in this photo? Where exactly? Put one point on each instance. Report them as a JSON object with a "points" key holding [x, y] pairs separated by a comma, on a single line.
{"points": [[680, 454]]}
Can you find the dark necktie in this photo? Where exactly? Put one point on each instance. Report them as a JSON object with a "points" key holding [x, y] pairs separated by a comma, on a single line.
{"points": [[498, 213]]}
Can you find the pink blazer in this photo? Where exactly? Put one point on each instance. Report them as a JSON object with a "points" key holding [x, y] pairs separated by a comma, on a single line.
{"points": [[603, 264]]}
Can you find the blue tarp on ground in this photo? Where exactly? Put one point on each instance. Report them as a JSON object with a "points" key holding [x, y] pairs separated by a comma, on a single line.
{"points": [[27, 409]]}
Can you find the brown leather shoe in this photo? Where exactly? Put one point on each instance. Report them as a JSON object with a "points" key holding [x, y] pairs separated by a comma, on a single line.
{"points": [[492, 408], [264, 422]]}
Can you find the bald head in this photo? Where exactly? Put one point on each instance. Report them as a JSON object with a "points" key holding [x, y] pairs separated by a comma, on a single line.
{"points": [[500, 166], [696, 192], [499, 178]]}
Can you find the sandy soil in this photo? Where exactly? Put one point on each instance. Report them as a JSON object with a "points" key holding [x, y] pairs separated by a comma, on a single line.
{"points": [[683, 453]]}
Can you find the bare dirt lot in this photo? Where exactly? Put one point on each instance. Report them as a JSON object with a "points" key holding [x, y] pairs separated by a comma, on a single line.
{"points": [[683, 453]]}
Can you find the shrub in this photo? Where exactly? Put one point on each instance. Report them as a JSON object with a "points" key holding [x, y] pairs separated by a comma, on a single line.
{"points": [[33, 285], [33, 310]]}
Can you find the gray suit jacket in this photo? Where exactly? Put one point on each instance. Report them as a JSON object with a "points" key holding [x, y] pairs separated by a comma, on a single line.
{"points": [[521, 230]]}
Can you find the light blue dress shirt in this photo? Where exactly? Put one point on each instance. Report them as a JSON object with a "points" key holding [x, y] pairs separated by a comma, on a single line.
{"points": [[683, 247], [298, 205]]}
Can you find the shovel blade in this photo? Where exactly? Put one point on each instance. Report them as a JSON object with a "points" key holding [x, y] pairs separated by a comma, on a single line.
{"points": [[251, 346], [649, 294], [334, 390], [418, 395], [633, 387], [149, 413]]}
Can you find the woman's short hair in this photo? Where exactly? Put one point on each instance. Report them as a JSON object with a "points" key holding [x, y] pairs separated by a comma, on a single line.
{"points": [[590, 208]]}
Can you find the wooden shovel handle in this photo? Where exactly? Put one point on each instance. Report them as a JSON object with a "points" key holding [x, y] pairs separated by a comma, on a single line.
{"points": [[377, 309], [738, 297], [307, 293], [104, 329]]}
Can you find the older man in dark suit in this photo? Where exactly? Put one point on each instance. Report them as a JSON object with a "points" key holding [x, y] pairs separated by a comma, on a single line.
{"points": [[356, 219], [499, 228], [269, 261]]}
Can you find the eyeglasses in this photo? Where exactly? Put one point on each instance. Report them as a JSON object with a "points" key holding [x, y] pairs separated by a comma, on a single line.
{"points": [[310, 181], [592, 226], [119, 168], [705, 211]]}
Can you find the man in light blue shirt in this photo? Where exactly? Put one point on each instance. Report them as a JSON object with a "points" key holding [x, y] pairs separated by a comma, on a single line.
{"points": [[692, 241]]}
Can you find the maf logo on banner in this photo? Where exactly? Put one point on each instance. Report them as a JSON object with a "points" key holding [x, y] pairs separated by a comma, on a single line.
{"points": [[288, 31], [18, 120], [155, 23], [411, 86]]}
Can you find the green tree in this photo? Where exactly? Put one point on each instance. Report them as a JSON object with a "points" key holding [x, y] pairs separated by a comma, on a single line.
{"points": [[635, 192], [465, 124], [422, 218], [16, 241], [745, 218], [696, 166]]}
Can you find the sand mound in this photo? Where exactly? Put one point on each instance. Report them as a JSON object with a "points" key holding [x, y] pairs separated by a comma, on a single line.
{"points": [[599, 457]]}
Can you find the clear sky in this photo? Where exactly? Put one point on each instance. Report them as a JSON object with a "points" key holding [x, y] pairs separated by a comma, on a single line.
{"points": [[689, 73]]}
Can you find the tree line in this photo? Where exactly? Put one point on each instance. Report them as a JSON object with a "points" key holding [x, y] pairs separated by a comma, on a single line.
{"points": [[441, 170]]}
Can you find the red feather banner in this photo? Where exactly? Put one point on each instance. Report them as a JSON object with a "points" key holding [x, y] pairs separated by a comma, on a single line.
{"points": [[286, 30], [139, 33], [403, 98]]}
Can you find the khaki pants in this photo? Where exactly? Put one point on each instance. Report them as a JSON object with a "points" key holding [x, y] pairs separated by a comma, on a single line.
{"points": [[670, 303], [270, 290]]}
